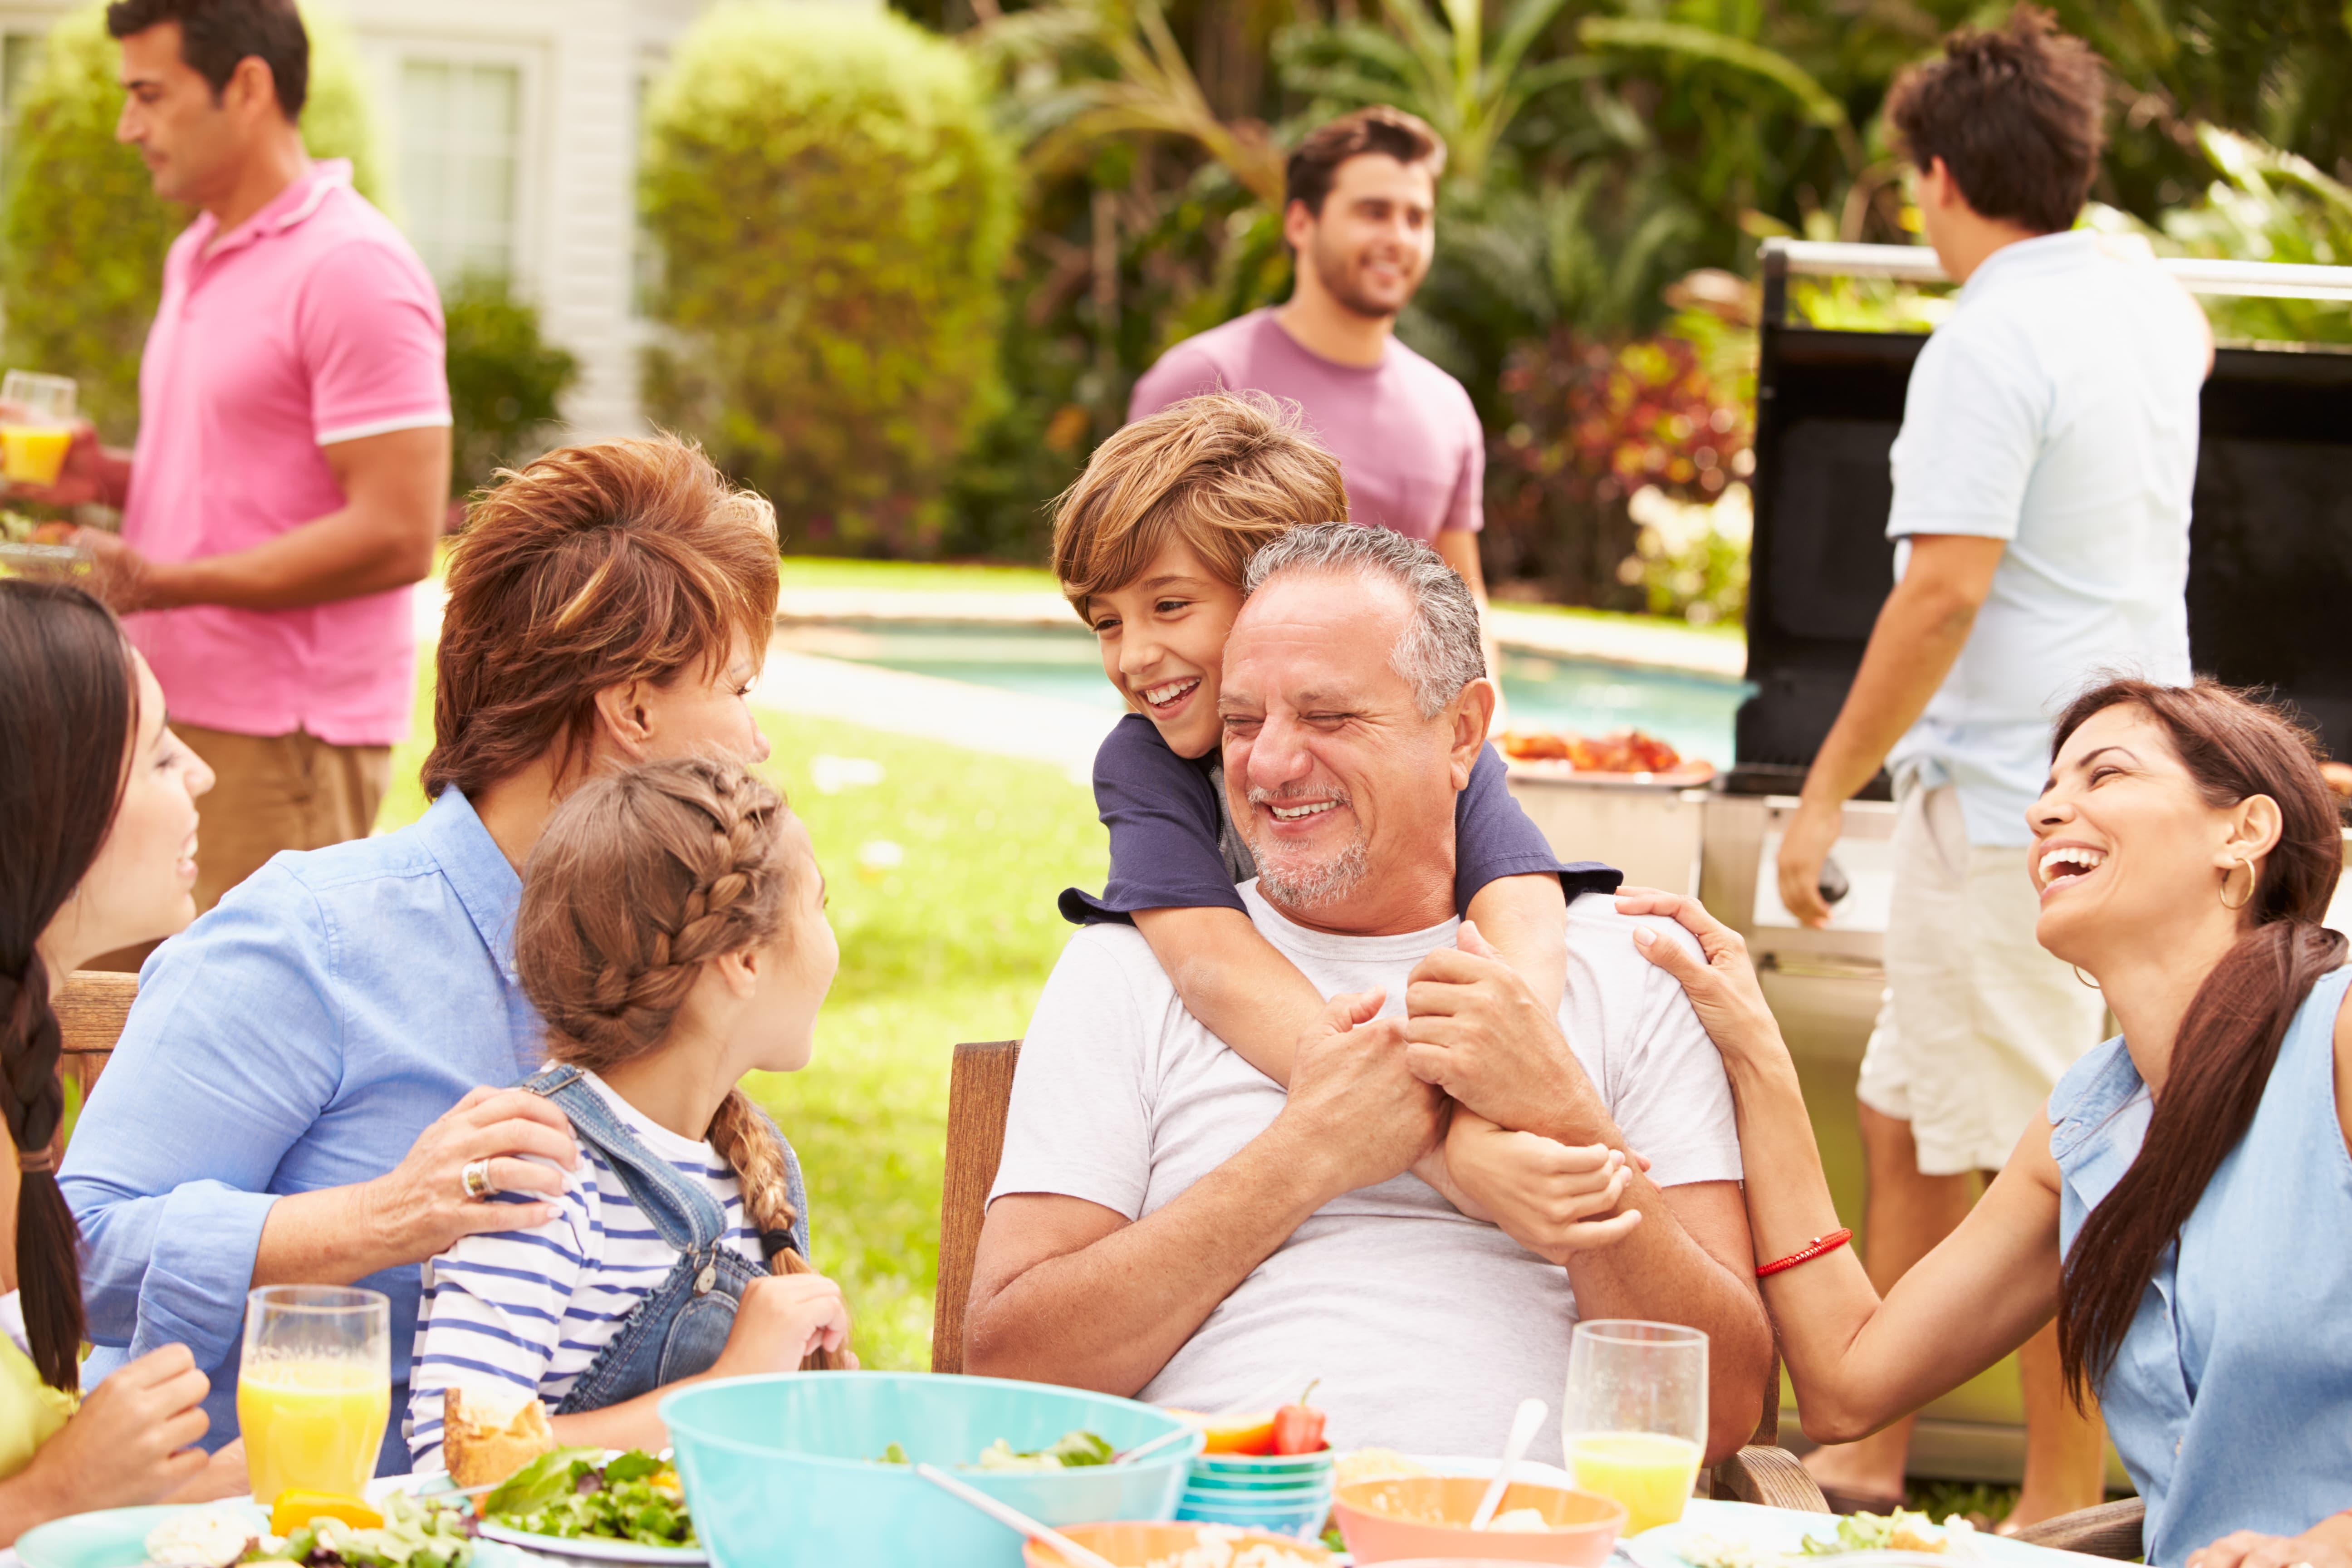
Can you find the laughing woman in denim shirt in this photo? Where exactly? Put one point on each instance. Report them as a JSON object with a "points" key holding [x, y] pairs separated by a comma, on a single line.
{"points": [[2183, 1208], [303, 1092]]}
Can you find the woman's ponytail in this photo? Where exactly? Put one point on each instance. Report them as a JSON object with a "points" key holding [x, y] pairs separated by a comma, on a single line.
{"points": [[68, 703], [746, 1140]]}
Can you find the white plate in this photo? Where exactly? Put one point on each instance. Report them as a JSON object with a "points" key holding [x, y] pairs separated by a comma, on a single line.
{"points": [[1783, 1532], [591, 1550]]}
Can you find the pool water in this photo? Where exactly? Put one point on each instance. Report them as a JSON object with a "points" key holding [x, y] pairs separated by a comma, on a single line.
{"points": [[1691, 712]]}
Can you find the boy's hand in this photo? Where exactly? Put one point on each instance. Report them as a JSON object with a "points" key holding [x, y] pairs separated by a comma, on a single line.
{"points": [[1554, 1200], [780, 1320]]}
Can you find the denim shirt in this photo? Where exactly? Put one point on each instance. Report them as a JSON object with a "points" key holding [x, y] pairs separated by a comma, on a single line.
{"points": [[300, 1035], [2231, 1397]]}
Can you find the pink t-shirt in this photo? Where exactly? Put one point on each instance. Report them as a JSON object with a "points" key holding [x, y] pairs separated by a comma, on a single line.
{"points": [[1407, 439], [311, 322]]}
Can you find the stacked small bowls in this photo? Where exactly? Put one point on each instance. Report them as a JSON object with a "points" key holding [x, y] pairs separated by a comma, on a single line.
{"points": [[1284, 1494]]}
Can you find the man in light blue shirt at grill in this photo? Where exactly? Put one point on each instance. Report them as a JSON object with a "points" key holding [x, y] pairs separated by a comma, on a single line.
{"points": [[309, 1089], [2042, 497]]}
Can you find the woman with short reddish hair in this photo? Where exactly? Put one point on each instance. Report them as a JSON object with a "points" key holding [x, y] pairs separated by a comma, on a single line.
{"points": [[300, 1095]]}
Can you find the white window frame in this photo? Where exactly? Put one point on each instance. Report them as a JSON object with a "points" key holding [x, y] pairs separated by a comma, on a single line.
{"points": [[528, 60]]}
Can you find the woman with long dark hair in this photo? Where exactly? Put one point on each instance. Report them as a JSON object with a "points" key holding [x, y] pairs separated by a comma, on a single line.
{"points": [[98, 824], [2185, 1207]]}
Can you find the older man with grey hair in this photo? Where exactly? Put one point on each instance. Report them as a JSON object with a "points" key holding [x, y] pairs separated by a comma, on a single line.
{"points": [[1168, 1223]]}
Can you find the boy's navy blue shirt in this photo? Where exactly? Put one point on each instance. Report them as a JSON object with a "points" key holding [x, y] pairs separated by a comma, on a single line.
{"points": [[1172, 843]]}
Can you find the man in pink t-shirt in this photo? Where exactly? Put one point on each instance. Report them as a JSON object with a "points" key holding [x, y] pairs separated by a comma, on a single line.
{"points": [[292, 465], [1360, 216]]}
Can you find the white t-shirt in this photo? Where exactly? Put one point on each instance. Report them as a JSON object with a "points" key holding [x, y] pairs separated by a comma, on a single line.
{"points": [[1426, 1328], [2058, 410], [525, 1312]]}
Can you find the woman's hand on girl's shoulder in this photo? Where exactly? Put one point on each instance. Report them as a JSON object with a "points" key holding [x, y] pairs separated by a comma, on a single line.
{"points": [[132, 1442], [1719, 981], [780, 1320]]}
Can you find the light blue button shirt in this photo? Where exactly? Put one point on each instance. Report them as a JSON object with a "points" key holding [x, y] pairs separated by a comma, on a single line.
{"points": [[300, 1035], [2057, 410], [2231, 1397]]}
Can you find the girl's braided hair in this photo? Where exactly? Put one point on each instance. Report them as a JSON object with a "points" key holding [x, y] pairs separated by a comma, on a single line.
{"points": [[641, 878]]}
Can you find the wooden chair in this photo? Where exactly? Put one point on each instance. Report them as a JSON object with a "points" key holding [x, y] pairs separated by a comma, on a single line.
{"points": [[979, 1091], [90, 1008], [2112, 1529]]}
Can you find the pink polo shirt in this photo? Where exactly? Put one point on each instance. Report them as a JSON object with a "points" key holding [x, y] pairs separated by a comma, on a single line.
{"points": [[310, 324]]}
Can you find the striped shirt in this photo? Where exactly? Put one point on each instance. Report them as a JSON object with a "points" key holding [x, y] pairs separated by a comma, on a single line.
{"points": [[529, 1310]]}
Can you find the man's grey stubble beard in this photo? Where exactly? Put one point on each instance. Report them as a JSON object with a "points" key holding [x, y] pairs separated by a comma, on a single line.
{"points": [[1311, 887]]}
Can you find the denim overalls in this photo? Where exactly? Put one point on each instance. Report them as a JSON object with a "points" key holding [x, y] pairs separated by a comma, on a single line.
{"points": [[679, 1329]]}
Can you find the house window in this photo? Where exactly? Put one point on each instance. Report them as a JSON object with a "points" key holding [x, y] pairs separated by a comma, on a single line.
{"points": [[461, 131]]}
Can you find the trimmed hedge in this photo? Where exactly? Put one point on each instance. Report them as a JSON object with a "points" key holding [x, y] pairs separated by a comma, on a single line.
{"points": [[832, 207], [505, 380], [83, 234]]}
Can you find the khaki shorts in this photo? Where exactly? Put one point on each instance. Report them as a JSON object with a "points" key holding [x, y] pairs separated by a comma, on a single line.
{"points": [[278, 791], [1979, 1022]]}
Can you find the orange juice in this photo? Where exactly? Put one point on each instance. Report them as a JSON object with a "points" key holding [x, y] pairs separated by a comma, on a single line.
{"points": [[1650, 1473], [313, 1424], [31, 454]]}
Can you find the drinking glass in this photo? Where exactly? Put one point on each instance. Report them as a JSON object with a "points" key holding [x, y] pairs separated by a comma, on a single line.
{"points": [[1635, 1421], [36, 425], [315, 1389]]}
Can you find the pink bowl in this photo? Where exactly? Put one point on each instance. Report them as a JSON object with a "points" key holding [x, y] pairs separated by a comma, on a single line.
{"points": [[1429, 1516]]}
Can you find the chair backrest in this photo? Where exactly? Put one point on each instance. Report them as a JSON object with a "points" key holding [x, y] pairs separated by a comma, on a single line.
{"points": [[90, 1008], [980, 1090]]}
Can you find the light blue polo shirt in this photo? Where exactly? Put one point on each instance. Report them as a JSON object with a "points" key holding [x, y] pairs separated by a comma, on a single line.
{"points": [[2056, 410]]}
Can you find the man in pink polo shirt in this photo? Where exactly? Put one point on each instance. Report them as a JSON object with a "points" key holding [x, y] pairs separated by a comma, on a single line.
{"points": [[1359, 216], [292, 463]]}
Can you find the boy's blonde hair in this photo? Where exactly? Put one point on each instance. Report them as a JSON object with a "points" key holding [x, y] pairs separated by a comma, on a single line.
{"points": [[1223, 472], [641, 877]]}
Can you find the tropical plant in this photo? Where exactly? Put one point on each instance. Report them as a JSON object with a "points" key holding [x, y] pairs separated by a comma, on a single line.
{"points": [[832, 207], [83, 234], [504, 379]]}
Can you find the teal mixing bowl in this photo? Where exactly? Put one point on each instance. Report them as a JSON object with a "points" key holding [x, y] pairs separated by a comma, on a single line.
{"points": [[780, 1471]]}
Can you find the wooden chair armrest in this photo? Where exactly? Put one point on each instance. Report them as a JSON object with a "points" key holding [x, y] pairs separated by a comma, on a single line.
{"points": [[2112, 1529], [1772, 1476]]}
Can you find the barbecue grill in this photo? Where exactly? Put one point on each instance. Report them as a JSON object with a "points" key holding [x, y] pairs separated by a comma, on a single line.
{"points": [[2270, 582]]}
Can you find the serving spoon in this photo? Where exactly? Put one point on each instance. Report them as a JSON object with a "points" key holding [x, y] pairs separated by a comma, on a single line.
{"points": [[1523, 1432], [1011, 1518]]}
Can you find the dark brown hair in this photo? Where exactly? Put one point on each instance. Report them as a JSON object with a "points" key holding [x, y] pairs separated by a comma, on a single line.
{"points": [[643, 877], [216, 35], [622, 560], [69, 701], [2015, 116], [1224, 472], [1309, 176], [2234, 746]]}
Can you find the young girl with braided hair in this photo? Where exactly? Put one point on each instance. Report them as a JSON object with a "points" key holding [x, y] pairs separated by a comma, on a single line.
{"points": [[672, 935], [98, 823]]}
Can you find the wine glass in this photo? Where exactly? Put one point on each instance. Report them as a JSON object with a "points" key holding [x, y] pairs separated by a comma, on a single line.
{"points": [[1634, 1425], [314, 1393]]}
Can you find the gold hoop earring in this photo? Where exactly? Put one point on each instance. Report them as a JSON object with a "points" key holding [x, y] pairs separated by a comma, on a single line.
{"points": [[2078, 977], [2232, 871]]}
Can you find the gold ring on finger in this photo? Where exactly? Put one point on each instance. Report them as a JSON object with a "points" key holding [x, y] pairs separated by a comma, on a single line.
{"points": [[475, 1180]]}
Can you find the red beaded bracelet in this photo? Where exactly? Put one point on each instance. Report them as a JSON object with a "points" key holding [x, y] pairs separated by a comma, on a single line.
{"points": [[1805, 1254]]}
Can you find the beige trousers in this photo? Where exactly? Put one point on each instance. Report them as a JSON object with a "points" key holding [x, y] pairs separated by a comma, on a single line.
{"points": [[278, 791], [1978, 1021]]}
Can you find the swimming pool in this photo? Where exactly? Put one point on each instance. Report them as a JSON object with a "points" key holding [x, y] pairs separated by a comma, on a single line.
{"points": [[1692, 712]]}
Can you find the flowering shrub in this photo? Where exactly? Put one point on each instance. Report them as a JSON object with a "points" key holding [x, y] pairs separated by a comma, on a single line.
{"points": [[1595, 424]]}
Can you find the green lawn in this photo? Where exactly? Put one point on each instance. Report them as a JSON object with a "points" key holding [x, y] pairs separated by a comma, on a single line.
{"points": [[952, 944]]}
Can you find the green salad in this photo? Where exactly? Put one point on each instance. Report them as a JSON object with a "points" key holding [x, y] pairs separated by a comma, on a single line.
{"points": [[577, 1493], [1905, 1530], [1070, 1451], [416, 1532]]}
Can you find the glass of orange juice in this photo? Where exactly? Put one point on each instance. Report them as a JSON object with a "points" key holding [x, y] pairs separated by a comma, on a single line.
{"points": [[1635, 1421], [36, 426], [314, 1393]]}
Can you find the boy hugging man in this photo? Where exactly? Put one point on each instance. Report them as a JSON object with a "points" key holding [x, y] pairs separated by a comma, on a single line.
{"points": [[1151, 545]]}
